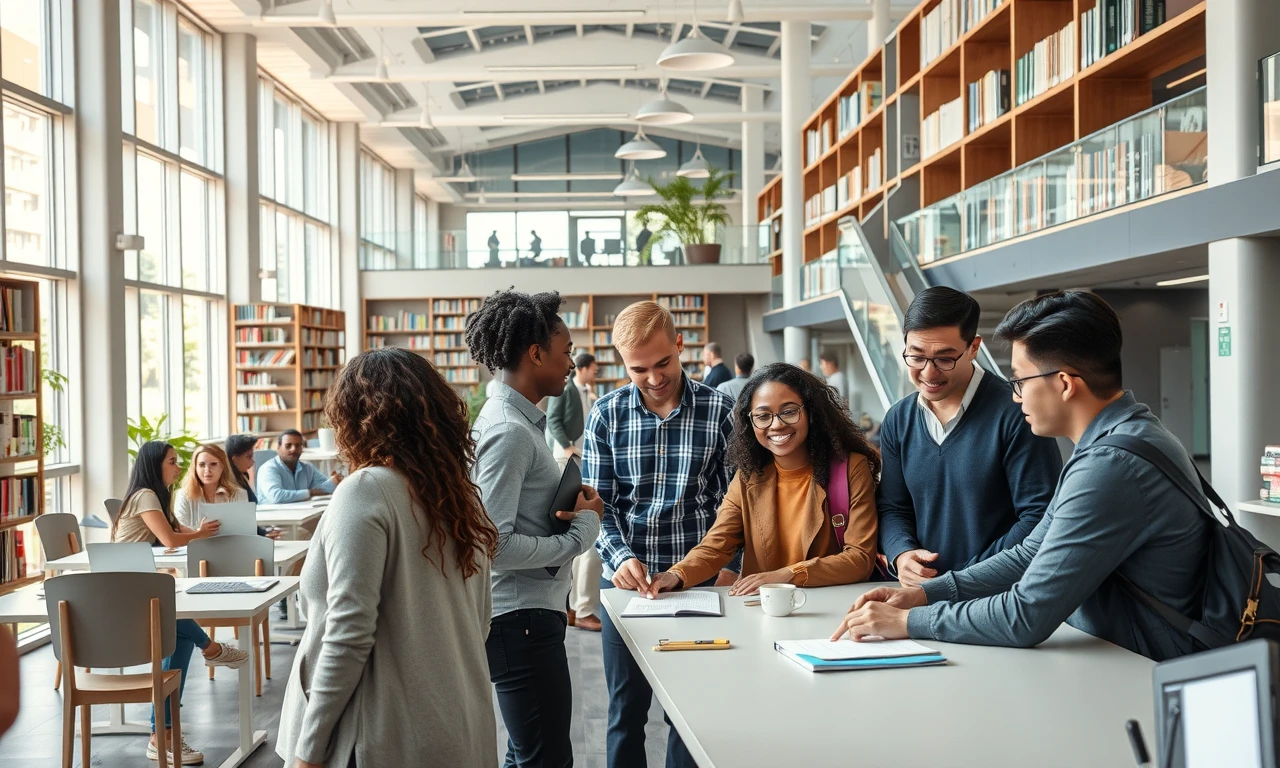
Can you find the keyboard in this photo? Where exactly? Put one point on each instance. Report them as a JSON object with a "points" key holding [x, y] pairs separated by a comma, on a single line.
{"points": [[226, 587]]}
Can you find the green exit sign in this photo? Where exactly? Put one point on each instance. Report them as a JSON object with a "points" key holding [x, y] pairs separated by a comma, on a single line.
{"points": [[1224, 341]]}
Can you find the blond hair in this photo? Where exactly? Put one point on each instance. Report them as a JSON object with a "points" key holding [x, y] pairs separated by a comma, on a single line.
{"points": [[640, 322], [191, 486]]}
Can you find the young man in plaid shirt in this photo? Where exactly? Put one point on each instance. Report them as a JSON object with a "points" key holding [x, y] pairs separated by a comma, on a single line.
{"points": [[655, 452]]}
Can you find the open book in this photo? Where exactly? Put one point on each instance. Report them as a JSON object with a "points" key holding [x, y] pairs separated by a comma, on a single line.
{"points": [[694, 602], [827, 656]]}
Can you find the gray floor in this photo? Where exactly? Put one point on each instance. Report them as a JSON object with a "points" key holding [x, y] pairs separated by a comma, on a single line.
{"points": [[208, 715]]}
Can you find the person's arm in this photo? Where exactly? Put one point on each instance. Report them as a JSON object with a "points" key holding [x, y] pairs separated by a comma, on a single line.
{"points": [[317, 480], [10, 679], [184, 509], [724, 474], [597, 472], [159, 526], [555, 418], [504, 457], [1098, 520], [271, 488], [858, 558], [893, 501], [991, 576], [1032, 465], [721, 544]]}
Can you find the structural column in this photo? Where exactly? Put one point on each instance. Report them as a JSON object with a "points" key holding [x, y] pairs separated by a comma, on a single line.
{"points": [[348, 181], [795, 108], [403, 181], [240, 105], [433, 235], [752, 162], [878, 26]]}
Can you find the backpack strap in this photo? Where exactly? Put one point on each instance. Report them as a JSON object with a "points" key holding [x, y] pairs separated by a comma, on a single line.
{"points": [[1157, 458], [838, 497]]}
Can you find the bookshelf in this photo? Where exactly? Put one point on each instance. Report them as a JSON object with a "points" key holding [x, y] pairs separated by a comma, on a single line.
{"points": [[433, 327], [21, 429], [283, 359], [970, 89]]}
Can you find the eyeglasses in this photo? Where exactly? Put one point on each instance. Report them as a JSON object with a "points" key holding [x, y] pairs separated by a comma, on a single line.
{"points": [[1017, 383], [788, 416], [918, 362]]}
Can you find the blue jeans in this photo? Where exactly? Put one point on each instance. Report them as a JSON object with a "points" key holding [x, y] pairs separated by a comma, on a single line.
{"points": [[190, 637], [629, 697]]}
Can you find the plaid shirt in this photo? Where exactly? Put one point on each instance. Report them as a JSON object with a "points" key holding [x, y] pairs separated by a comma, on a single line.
{"points": [[661, 479]]}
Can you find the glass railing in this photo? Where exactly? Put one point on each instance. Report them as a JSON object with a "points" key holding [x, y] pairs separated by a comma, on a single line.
{"points": [[820, 277], [1160, 150], [1269, 77]]}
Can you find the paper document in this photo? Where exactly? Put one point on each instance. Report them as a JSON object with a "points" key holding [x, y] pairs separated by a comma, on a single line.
{"points": [[848, 649], [692, 603], [166, 552]]}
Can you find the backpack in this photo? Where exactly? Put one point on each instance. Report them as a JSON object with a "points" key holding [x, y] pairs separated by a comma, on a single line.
{"points": [[1240, 599], [838, 510]]}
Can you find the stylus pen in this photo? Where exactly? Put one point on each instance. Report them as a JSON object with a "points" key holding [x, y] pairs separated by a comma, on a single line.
{"points": [[1139, 745]]}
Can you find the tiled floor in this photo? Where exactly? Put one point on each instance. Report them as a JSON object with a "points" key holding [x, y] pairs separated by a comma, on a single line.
{"points": [[209, 711]]}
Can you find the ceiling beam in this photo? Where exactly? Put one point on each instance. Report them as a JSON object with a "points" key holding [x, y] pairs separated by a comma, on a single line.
{"points": [[706, 88], [502, 96], [500, 12], [732, 34], [528, 33], [631, 30], [475, 39], [409, 119], [451, 71], [774, 46], [581, 30]]}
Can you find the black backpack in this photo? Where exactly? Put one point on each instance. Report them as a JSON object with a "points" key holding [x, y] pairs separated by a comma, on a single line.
{"points": [[1240, 599]]}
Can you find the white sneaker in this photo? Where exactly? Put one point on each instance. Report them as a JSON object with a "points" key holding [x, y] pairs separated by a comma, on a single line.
{"points": [[189, 755], [229, 656]]}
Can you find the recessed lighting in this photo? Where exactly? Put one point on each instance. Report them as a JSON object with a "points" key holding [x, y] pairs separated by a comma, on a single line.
{"points": [[1183, 281]]}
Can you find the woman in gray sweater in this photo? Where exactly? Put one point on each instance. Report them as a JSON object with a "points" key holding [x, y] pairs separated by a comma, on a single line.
{"points": [[391, 670]]}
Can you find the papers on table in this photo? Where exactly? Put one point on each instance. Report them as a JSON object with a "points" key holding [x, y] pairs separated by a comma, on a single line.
{"points": [[311, 504], [169, 552], [691, 603], [826, 656]]}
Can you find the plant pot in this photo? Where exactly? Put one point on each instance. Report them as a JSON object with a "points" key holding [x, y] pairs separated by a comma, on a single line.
{"points": [[325, 436], [703, 253]]}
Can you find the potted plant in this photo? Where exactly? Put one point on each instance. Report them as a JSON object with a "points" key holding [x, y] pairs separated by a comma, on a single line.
{"points": [[690, 214], [145, 430]]}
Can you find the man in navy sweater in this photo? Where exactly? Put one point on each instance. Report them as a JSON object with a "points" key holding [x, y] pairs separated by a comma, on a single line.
{"points": [[964, 478]]}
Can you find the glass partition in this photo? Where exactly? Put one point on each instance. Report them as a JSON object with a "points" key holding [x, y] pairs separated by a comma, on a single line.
{"points": [[1269, 78]]}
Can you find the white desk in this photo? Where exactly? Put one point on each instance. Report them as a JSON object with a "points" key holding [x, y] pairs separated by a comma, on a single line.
{"points": [[1063, 704], [325, 461], [24, 606], [290, 517], [288, 553]]}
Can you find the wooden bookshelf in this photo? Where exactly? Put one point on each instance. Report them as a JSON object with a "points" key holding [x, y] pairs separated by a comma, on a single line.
{"points": [[1117, 86], [283, 359], [22, 493]]}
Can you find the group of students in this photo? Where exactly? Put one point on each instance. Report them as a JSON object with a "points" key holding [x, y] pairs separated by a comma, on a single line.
{"points": [[431, 579]]}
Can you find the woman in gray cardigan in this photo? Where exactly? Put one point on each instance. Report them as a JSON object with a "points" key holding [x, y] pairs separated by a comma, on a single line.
{"points": [[391, 670]]}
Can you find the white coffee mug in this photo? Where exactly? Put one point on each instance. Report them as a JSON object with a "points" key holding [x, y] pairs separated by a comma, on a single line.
{"points": [[781, 599]]}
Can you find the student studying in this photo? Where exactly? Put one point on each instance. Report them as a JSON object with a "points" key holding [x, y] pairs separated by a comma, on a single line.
{"points": [[287, 478]]}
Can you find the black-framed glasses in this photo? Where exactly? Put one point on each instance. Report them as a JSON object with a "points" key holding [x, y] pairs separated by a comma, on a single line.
{"points": [[918, 362], [1017, 383], [788, 416]]}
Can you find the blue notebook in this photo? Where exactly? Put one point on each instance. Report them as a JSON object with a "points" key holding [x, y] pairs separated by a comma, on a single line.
{"points": [[872, 655]]}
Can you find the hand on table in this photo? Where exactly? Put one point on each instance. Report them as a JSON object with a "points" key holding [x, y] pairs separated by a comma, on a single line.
{"points": [[913, 567], [663, 582], [726, 579], [881, 612], [750, 585], [274, 533], [336, 478]]}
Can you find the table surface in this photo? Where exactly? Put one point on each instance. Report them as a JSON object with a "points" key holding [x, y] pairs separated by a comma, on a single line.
{"points": [[1063, 703], [287, 553], [27, 605], [292, 516]]}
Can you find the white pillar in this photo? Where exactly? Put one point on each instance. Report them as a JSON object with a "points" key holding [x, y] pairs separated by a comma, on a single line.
{"points": [[403, 180], [240, 84], [752, 161], [433, 234], [878, 26], [100, 185], [348, 172], [795, 109]]}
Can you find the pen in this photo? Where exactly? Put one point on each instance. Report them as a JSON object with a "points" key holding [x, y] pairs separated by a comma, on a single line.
{"points": [[649, 582], [1139, 745], [717, 641]]}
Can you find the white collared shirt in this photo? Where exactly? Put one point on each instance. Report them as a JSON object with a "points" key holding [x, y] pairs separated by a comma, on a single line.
{"points": [[939, 431]]}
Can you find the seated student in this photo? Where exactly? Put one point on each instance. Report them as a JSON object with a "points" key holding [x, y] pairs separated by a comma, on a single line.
{"points": [[787, 427], [146, 516], [1113, 513], [210, 480], [239, 450], [964, 477], [287, 479]]}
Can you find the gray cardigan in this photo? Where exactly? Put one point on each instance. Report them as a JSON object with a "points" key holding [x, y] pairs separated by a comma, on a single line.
{"points": [[392, 665]]}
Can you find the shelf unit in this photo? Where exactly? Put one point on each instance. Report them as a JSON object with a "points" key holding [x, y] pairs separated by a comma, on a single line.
{"points": [[283, 359], [433, 327], [21, 430], [1123, 83]]}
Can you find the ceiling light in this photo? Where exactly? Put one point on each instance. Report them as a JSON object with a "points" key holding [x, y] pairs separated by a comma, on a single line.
{"points": [[381, 72], [583, 176], [326, 13], [633, 186], [695, 53], [696, 168], [424, 120], [482, 201], [562, 68], [735, 12], [663, 111], [465, 175], [640, 148], [1183, 281]]}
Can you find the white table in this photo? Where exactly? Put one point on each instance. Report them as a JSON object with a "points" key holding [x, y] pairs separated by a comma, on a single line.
{"points": [[290, 517], [25, 606], [1063, 703], [325, 461]]}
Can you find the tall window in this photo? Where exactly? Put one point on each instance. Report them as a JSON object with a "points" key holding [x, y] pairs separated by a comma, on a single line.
{"points": [[377, 213], [174, 197], [294, 160]]}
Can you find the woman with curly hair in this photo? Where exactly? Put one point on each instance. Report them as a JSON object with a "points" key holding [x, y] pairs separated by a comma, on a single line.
{"points": [[391, 669], [523, 337], [791, 436]]}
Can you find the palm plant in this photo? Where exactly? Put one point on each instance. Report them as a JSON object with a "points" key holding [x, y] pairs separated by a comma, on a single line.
{"points": [[687, 212]]}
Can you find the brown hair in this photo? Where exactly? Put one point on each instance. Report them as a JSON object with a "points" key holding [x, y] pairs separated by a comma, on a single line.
{"points": [[639, 322], [390, 408], [191, 485]]}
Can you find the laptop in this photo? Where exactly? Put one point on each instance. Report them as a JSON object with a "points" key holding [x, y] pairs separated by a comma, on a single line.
{"points": [[116, 557], [239, 518]]}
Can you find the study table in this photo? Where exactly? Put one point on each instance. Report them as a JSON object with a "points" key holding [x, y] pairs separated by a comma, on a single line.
{"points": [[290, 517], [1062, 704], [28, 606]]}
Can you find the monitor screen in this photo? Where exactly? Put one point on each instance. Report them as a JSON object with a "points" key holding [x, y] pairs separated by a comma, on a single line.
{"points": [[1220, 721]]}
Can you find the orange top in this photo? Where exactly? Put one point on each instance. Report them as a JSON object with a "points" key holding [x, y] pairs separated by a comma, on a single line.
{"points": [[792, 508]]}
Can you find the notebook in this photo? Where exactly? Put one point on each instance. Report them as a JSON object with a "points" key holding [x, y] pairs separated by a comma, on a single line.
{"points": [[694, 602], [566, 498], [121, 557], [827, 656], [238, 518]]}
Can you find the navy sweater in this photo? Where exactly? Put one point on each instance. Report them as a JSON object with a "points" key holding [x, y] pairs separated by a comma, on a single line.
{"points": [[979, 493]]}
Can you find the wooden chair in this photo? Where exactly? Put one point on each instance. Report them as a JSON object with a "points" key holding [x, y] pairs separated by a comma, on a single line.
{"points": [[245, 556], [113, 620], [59, 537]]}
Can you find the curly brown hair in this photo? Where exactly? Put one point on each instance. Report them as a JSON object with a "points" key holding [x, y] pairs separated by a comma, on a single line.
{"points": [[390, 408]]}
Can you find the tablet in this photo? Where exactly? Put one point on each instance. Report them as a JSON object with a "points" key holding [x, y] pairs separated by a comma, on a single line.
{"points": [[566, 498], [239, 518]]}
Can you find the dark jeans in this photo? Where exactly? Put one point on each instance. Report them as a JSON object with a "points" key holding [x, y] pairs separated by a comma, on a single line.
{"points": [[530, 671], [190, 637], [629, 698]]}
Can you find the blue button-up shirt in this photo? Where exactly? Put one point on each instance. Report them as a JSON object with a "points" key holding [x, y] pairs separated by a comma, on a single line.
{"points": [[277, 485], [661, 480]]}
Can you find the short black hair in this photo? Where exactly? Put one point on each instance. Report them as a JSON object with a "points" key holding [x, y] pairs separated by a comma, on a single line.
{"points": [[288, 433], [1070, 329], [584, 360], [829, 357], [745, 363], [943, 307], [508, 323]]}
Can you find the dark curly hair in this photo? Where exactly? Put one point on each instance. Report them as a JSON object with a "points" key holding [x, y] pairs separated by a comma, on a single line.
{"points": [[832, 430], [508, 323], [390, 408]]}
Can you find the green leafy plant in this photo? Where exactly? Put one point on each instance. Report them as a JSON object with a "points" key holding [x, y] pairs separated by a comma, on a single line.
{"points": [[52, 438], [687, 212], [144, 431], [475, 400]]}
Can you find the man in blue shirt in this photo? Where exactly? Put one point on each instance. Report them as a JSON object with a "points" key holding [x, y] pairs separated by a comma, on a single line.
{"points": [[1113, 512], [655, 453], [287, 479]]}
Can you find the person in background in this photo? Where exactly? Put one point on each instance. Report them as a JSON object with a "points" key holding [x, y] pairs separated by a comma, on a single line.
{"points": [[535, 245], [147, 516], [239, 450], [10, 681], [964, 476], [566, 417], [209, 480], [287, 479], [789, 428], [587, 248], [518, 478], [493, 243], [831, 372], [642, 239], [1114, 513], [805, 365], [655, 451], [716, 372], [743, 365], [391, 668]]}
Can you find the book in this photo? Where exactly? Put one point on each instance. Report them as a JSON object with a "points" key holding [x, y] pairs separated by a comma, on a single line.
{"points": [[693, 602], [843, 655]]}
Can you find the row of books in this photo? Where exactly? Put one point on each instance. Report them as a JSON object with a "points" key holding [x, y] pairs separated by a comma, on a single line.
{"points": [[602, 338], [689, 318], [19, 497], [849, 187], [681, 301], [1112, 24], [261, 336], [278, 357], [612, 372], [691, 338], [1117, 175], [821, 277], [405, 321], [251, 424], [579, 319], [450, 341], [315, 400], [18, 435], [606, 355], [261, 401], [251, 379], [310, 421], [319, 357], [314, 317], [452, 358], [455, 306], [988, 98], [851, 110], [13, 556], [461, 375], [262, 312], [941, 129], [874, 170], [18, 370], [1051, 61], [450, 323], [323, 338], [945, 24], [318, 379], [813, 209], [14, 307], [1271, 474], [691, 355], [818, 140]]}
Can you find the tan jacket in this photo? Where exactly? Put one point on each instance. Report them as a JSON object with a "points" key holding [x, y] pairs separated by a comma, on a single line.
{"points": [[748, 519]]}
